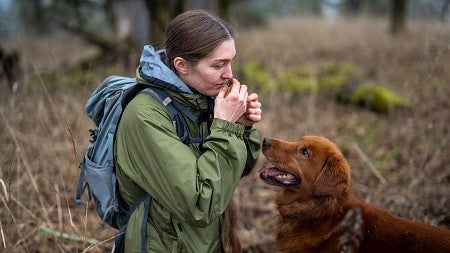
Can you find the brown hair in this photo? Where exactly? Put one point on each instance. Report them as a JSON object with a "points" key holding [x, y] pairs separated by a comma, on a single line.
{"points": [[194, 34]]}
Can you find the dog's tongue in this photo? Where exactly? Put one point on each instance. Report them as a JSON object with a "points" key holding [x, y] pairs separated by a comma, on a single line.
{"points": [[271, 171], [275, 174]]}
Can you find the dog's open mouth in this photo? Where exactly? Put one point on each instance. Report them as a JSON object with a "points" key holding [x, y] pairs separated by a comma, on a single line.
{"points": [[276, 176]]}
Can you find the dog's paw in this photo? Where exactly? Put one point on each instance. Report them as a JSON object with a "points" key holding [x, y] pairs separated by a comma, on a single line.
{"points": [[352, 233]]}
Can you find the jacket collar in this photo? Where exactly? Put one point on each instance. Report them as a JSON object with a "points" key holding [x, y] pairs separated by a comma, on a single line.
{"points": [[153, 70]]}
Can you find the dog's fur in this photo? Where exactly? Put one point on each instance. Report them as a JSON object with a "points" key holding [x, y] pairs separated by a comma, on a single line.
{"points": [[319, 212]]}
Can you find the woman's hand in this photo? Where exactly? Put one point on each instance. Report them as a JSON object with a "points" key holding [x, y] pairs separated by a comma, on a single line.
{"points": [[233, 106], [253, 113]]}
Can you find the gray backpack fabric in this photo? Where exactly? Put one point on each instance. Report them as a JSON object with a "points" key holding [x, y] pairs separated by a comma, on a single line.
{"points": [[97, 175], [97, 172]]}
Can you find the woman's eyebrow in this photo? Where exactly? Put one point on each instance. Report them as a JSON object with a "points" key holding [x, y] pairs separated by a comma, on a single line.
{"points": [[221, 60], [224, 59]]}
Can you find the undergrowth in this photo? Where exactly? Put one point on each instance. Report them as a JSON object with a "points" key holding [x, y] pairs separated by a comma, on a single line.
{"points": [[399, 160]]}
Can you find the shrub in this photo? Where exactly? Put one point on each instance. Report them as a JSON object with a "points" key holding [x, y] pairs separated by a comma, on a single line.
{"points": [[297, 81], [377, 98], [333, 77], [256, 76]]}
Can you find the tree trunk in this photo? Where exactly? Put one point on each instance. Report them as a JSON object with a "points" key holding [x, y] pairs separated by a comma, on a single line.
{"points": [[9, 67], [398, 16], [161, 12], [159, 18], [444, 10], [353, 7], [224, 9], [176, 7]]}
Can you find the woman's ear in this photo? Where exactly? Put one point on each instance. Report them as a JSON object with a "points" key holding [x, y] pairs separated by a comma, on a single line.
{"points": [[180, 65]]}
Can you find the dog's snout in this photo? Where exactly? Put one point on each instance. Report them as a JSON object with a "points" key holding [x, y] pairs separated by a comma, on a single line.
{"points": [[267, 142]]}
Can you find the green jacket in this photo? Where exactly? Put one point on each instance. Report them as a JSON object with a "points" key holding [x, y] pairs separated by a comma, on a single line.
{"points": [[190, 186]]}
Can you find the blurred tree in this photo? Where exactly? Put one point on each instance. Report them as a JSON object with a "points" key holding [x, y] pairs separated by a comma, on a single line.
{"points": [[129, 20], [352, 7], [33, 18], [116, 27], [445, 4], [9, 67], [306, 6], [159, 17], [160, 12], [78, 17], [378, 8], [317, 7], [398, 16], [224, 8]]}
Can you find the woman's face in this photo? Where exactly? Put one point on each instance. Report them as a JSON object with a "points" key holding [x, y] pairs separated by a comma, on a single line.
{"points": [[211, 73]]}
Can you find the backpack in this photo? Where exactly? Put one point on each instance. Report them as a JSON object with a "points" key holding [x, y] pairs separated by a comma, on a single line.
{"points": [[97, 172]]}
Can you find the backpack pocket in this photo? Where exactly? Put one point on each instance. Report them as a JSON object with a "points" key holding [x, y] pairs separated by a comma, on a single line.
{"points": [[101, 181]]}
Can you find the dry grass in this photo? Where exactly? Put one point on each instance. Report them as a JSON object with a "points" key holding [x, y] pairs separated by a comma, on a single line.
{"points": [[44, 130]]}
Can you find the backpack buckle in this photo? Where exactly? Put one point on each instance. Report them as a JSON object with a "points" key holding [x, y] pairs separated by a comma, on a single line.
{"points": [[93, 133]]}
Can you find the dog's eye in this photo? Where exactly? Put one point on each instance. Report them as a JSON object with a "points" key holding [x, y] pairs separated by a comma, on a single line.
{"points": [[304, 151]]}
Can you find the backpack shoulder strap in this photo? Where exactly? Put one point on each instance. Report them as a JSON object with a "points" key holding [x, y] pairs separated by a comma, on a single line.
{"points": [[175, 108]]}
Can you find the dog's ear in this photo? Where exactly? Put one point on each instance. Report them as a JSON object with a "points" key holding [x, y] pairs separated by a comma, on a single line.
{"points": [[334, 177]]}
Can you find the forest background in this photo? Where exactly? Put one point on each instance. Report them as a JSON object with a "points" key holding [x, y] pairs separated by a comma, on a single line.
{"points": [[373, 76]]}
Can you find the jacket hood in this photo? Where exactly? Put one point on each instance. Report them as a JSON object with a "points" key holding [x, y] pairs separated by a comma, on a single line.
{"points": [[153, 70]]}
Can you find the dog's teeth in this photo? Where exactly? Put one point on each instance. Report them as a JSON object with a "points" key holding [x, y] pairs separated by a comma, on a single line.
{"points": [[285, 176]]}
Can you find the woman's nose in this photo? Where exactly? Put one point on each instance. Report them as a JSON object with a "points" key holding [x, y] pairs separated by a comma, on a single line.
{"points": [[228, 72]]}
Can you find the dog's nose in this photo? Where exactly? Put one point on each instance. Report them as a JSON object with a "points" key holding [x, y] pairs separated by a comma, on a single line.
{"points": [[267, 142]]}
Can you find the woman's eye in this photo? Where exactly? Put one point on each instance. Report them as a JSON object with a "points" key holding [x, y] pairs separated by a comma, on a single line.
{"points": [[304, 151]]}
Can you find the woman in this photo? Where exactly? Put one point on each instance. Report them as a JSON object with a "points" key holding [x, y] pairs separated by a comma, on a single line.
{"points": [[190, 185]]}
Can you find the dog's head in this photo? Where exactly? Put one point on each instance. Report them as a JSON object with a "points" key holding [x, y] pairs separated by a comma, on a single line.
{"points": [[313, 166]]}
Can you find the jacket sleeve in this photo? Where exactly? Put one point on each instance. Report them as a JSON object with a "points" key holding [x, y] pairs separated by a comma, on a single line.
{"points": [[253, 145], [196, 188]]}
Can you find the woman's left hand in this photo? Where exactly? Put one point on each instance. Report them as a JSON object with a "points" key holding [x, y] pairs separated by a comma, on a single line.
{"points": [[253, 113]]}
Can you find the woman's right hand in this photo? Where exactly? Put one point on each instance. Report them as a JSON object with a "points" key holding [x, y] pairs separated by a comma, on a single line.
{"points": [[232, 106]]}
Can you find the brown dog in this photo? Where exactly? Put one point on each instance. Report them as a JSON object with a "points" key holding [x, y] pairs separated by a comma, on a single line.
{"points": [[319, 213]]}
